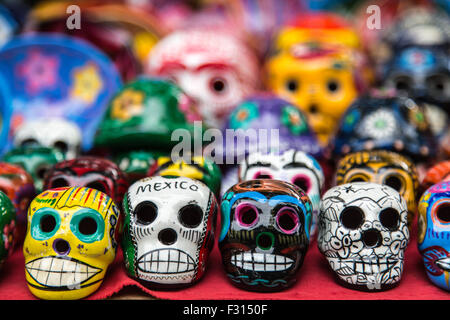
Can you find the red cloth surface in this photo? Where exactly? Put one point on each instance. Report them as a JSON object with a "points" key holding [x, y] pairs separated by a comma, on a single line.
{"points": [[315, 282]]}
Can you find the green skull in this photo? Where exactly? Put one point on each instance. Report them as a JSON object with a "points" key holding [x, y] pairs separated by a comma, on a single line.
{"points": [[35, 160], [136, 163], [143, 114], [7, 227]]}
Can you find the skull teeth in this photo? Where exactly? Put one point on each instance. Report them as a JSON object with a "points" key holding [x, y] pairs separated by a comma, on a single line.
{"points": [[366, 267], [60, 272], [166, 261], [261, 261]]}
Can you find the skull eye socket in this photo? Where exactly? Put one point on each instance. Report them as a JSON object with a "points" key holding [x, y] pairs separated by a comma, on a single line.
{"points": [[62, 146], [29, 143], [395, 182], [352, 218], [41, 171], [358, 178], [403, 84], [59, 183], [145, 212], [218, 85], [47, 223], [390, 218], [292, 85], [246, 215], [303, 182], [97, 185], [87, 226], [190, 216], [443, 213], [333, 86], [287, 220], [262, 175]]}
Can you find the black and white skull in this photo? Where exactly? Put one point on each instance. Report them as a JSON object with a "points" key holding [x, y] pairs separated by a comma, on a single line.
{"points": [[363, 233], [55, 133], [169, 230]]}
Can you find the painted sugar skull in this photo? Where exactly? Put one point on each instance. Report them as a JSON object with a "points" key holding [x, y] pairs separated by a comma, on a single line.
{"points": [[314, 65], [57, 133], [421, 72], [213, 67], [70, 242], [7, 227], [265, 233], [195, 167], [168, 231], [363, 233], [389, 123], [143, 115], [382, 167], [263, 115], [292, 166], [434, 233], [35, 160], [18, 185], [90, 172]]}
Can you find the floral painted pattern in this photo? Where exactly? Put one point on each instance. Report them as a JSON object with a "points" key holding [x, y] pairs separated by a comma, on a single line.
{"points": [[87, 83], [292, 118], [127, 105], [39, 71], [244, 115]]}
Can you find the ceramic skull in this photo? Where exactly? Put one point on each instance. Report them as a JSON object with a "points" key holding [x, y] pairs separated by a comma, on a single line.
{"points": [[264, 233], [70, 242], [434, 232], [383, 167], [214, 67], [363, 233], [35, 160], [91, 172], [385, 122], [55, 133], [168, 231], [296, 167]]}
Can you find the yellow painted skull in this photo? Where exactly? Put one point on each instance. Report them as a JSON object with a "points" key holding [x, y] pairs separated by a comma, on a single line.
{"points": [[320, 83], [70, 242], [382, 167]]}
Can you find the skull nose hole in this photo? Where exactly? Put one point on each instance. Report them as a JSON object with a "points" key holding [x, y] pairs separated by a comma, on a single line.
{"points": [[265, 240], [61, 246], [371, 237], [167, 236]]}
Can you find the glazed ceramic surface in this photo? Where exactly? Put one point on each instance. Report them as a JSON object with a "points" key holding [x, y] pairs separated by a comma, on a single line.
{"points": [[70, 242], [60, 77], [197, 167], [292, 166], [136, 163], [259, 117], [213, 66], [388, 123], [18, 185], [363, 234], [382, 167], [168, 231], [7, 227], [55, 133], [264, 233], [143, 115], [434, 233], [35, 160], [91, 172]]}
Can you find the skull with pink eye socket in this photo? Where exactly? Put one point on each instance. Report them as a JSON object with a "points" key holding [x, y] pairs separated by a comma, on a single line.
{"points": [[264, 233], [293, 166]]}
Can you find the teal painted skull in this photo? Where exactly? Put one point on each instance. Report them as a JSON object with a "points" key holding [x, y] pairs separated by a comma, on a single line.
{"points": [[35, 160]]}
